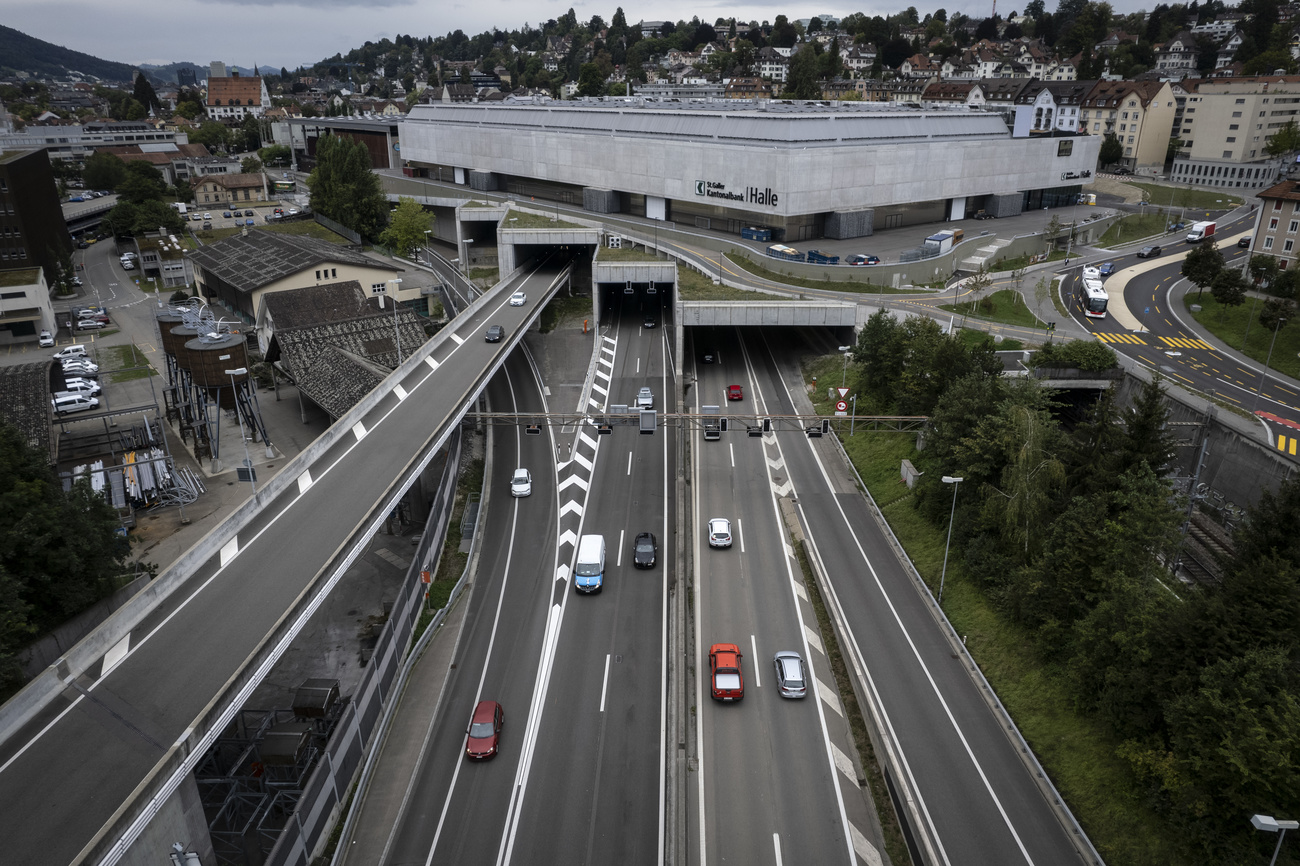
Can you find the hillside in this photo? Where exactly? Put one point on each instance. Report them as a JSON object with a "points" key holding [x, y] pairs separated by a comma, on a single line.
{"points": [[23, 53]]}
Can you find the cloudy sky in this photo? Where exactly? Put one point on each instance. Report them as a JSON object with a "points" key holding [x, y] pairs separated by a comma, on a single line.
{"points": [[293, 32]]}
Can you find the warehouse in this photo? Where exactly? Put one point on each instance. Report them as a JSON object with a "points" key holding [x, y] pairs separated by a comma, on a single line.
{"points": [[804, 170]]}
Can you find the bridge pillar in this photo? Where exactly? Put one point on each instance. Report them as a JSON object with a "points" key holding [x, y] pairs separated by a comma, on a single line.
{"points": [[180, 820]]}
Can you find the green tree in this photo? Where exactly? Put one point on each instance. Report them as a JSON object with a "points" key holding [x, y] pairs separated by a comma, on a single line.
{"points": [[275, 154], [1286, 140], [1228, 287], [406, 226], [212, 135], [190, 109], [344, 188], [590, 81], [803, 76], [1202, 265], [182, 191], [250, 165], [142, 183], [104, 171], [1276, 312], [1111, 150], [144, 94], [250, 133]]}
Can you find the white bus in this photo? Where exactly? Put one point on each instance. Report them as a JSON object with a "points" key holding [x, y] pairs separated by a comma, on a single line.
{"points": [[1093, 298]]}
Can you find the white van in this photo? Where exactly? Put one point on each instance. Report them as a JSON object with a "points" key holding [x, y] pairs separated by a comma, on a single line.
{"points": [[589, 570], [65, 403], [76, 350]]}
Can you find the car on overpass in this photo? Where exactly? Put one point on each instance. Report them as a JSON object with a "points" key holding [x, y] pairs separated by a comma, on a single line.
{"points": [[521, 483], [644, 550], [719, 532], [518, 299], [495, 333], [726, 680]]}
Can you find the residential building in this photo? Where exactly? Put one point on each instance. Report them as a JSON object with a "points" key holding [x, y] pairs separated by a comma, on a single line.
{"points": [[771, 64], [76, 143], [960, 92], [1177, 57], [1139, 113], [33, 232], [236, 97], [25, 308], [1055, 105], [225, 190], [1279, 224], [1226, 125], [748, 87]]}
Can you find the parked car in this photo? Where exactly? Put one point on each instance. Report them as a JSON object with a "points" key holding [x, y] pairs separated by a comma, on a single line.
{"points": [[76, 350], [791, 675], [293, 211], [225, 214], [207, 217], [863, 260], [484, 730], [46, 340], [518, 299], [89, 371], [719, 532], [726, 680], [1148, 252], [984, 215], [495, 333], [1122, 170], [644, 550], [249, 221], [734, 392], [521, 483], [81, 245], [81, 384], [90, 324], [66, 403]]}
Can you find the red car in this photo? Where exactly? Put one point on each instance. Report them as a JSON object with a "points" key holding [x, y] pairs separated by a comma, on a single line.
{"points": [[484, 730], [735, 393], [726, 680]]}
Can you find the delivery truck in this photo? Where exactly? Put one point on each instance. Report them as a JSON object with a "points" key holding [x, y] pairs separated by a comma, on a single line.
{"points": [[1200, 231]]}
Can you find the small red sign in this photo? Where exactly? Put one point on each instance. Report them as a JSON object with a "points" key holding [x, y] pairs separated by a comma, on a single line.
{"points": [[841, 406]]}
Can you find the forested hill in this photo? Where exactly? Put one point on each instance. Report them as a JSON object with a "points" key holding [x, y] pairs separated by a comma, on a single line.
{"points": [[22, 53]]}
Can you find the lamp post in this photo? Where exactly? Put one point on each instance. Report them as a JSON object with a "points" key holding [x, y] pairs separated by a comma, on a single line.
{"points": [[397, 337], [428, 251], [844, 350], [1270, 824], [242, 371], [955, 481], [854, 417], [1280, 321], [468, 241]]}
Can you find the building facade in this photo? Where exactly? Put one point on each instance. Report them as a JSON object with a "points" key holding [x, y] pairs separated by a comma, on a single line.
{"points": [[1139, 113], [1279, 224], [33, 232], [1226, 126]]}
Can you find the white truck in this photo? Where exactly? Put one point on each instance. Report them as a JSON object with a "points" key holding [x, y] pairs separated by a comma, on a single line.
{"points": [[589, 569], [1200, 231]]}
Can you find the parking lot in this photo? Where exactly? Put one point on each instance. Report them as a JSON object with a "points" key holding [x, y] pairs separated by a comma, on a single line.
{"points": [[228, 217]]}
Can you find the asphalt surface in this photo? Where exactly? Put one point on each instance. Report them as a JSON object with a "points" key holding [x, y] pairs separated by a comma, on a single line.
{"points": [[65, 773]]}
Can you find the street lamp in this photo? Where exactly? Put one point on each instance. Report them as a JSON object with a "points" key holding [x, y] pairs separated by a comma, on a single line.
{"points": [[1272, 825], [396, 336], [468, 241], [1280, 321], [428, 251], [845, 373], [955, 481], [242, 371]]}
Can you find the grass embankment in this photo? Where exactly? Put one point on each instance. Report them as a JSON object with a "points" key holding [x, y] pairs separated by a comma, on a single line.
{"points": [[694, 286], [1005, 306], [627, 254], [1184, 197], [560, 309], [1078, 751], [517, 219], [451, 565], [1229, 325], [1143, 226], [1015, 264], [855, 284]]}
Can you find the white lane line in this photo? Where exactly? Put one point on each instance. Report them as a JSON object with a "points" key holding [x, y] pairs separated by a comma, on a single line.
{"points": [[629, 463], [619, 560], [431, 362], [604, 688], [740, 533], [638, 365], [758, 677], [359, 431], [732, 449], [776, 844], [400, 392]]}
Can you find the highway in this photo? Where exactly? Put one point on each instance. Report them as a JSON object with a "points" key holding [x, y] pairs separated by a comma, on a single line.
{"points": [[581, 678], [65, 772]]}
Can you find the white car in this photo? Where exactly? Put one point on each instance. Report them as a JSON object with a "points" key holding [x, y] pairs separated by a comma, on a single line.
{"points": [[518, 299], [719, 532], [80, 368], [76, 350], [90, 324], [521, 483], [46, 340], [81, 385], [645, 399]]}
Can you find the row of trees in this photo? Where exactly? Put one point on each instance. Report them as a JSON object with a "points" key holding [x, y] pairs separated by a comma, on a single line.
{"points": [[1206, 268], [1069, 533], [141, 206]]}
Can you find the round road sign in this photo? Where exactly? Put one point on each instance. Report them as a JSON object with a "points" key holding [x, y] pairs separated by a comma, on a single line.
{"points": [[841, 406]]}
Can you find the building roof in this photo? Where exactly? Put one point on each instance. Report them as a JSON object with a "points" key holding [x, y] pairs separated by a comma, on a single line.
{"points": [[229, 181], [1287, 190], [256, 258], [234, 91]]}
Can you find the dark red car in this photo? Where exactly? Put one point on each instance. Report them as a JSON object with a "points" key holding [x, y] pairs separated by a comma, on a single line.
{"points": [[484, 730], [734, 392], [726, 681]]}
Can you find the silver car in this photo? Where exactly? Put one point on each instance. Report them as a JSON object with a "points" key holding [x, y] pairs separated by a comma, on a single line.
{"points": [[521, 483], [791, 675], [645, 399], [719, 532], [518, 299]]}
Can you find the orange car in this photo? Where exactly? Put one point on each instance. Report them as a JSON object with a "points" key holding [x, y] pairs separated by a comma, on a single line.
{"points": [[725, 677]]}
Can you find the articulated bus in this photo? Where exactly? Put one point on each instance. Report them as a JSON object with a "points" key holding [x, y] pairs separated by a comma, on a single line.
{"points": [[1092, 294]]}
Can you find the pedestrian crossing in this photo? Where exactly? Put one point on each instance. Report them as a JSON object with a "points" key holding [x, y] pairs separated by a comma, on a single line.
{"points": [[1172, 342]]}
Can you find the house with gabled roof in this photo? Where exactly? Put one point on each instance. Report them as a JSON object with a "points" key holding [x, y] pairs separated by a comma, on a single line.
{"points": [[233, 98], [1139, 113]]}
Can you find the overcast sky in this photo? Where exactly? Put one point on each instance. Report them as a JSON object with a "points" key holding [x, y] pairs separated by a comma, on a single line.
{"points": [[289, 33]]}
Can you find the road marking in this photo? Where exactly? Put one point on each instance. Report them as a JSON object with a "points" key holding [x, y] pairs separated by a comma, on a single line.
{"points": [[582, 461], [304, 481], [359, 431], [629, 463], [827, 694], [605, 685], [1184, 343], [586, 440], [638, 366], [740, 533], [732, 449], [776, 845], [619, 559], [460, 341], [799, 590], [600, 371], [1120, 338], [400, 392], [431, 362], [604, 392], [571, 507], [230, 550], [573, 479], [758, 677], [568, 536], [814, 639], [844, 763], [865, 849]]}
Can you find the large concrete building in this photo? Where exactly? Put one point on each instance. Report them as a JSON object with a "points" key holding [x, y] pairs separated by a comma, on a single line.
{"points": [[33, 232], [804, 170], [1226, 125]]}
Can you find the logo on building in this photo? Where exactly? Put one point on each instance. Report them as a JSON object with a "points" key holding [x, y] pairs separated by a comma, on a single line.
{"points": [[751, 195], [1076, 175]]}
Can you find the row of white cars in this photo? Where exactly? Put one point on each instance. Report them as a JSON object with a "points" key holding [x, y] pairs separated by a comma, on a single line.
{"points": [[80, 390]]}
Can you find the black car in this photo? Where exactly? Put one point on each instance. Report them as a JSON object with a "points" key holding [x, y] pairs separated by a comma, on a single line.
{"points": [[1122, 170], [1148, 252], [644, 550], [494, 334], [1244, 243], [649, 321]]}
